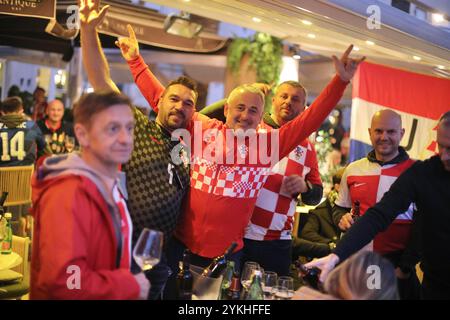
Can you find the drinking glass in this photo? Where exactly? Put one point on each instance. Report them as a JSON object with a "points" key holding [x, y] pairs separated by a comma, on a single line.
{"points": [[247, 273], [287, 282], [270, 280], [147, 252], [280, 293]]}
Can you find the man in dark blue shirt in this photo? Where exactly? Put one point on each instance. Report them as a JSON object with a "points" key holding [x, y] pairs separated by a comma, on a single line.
{"points": [[21, 140]]}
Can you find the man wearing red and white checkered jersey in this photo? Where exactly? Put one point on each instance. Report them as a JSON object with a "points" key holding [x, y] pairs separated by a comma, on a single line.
{"points": [[368, 179], [268, 237], [225, 181]]}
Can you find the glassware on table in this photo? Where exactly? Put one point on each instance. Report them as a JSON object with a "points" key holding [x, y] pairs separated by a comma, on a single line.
{"points": [[280, 293], [69, 143], [247, 272], [270, 280], [287, 282], [147, 252], [210, 286]]}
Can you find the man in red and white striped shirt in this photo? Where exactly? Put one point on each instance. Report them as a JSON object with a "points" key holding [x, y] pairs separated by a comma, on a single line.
{"points": [[368, 179], [268, 237]]}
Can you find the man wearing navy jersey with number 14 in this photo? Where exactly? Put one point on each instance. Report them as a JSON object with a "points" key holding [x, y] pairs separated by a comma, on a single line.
{"points": [[21, 140]]}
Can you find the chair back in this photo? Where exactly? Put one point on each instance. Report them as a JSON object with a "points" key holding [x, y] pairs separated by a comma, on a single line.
{"points": [[21, 246], [17, 182]]}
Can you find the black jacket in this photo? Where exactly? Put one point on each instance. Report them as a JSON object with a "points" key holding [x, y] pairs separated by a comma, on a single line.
{"points": [[319, 226], [427, 184]]}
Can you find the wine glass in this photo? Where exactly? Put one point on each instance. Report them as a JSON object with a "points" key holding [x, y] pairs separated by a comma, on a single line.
{"points": [[270, 280], [69, 143], [287, 282], [147, 252], [247, 273]]}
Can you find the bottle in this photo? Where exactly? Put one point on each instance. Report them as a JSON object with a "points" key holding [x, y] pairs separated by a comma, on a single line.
{"points": [[185, 278], [226, 282], [7, 240], [255, 291], [310, 276], [356, 213], [217, 267], [234, 292]]}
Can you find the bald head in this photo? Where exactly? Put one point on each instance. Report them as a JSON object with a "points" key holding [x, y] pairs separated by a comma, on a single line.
{"points": [[55, 111], [443, 139], [386, 115], [385, 134]]}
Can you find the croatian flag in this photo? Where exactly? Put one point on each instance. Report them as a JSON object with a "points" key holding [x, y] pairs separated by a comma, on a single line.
{"points": [[419, 99]]}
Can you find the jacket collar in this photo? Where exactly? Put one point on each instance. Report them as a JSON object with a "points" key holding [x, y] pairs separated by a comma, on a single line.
{"points": [[402, 156], [269, 121]]}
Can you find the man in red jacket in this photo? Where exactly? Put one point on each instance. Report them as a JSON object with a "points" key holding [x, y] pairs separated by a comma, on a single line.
{"points": [[82, 239]]}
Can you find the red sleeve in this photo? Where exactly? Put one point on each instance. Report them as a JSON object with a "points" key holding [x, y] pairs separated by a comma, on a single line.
{"points": [[295, 131], [313, 176], [146, 81], [64, 240]]}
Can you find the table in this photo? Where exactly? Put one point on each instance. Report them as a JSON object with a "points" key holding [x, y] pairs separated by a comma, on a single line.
{"points": [[8, 261]]}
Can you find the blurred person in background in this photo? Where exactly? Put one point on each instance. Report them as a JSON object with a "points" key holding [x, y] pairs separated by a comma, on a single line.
{"points": [[21, 140], [39, 104], [58, 133]]}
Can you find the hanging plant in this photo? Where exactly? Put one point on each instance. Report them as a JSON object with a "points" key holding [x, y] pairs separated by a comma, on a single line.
{"points": [[265, 56]]}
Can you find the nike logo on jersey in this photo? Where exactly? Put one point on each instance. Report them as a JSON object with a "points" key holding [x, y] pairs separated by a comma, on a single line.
{"points": [[356, 185]]}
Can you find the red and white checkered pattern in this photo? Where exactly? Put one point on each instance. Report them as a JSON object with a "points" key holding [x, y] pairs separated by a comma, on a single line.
{"points": [[235, 181], [272, 218], [367, 182]]}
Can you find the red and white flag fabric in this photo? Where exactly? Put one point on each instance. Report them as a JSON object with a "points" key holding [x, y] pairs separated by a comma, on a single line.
{"points": [[419, 99]]}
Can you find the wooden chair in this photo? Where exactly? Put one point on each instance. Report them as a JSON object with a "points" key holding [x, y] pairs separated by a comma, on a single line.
{"points": [[17, 181]]}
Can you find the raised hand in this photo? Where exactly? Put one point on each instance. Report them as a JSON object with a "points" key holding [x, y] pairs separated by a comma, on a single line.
{"points": [[346, 67], [129, 46], [90, 14], [264, 87]]}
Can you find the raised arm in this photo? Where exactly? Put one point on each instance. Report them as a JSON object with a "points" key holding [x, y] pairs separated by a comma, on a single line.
{"points": [[94, 59], [146, 81], [309, 121]]}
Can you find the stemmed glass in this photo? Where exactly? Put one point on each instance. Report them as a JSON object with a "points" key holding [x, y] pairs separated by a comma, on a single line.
{"points": [[247, 273], [147, 252]]}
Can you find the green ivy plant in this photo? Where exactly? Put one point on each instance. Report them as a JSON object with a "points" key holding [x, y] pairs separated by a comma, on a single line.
{"points": [[265, 56]]}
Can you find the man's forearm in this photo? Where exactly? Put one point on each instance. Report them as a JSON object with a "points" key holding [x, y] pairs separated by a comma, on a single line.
{"points": [[94, 61]]}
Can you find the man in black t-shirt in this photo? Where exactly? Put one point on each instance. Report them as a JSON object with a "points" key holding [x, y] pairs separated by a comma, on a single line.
{"points": [[58, 133]]}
